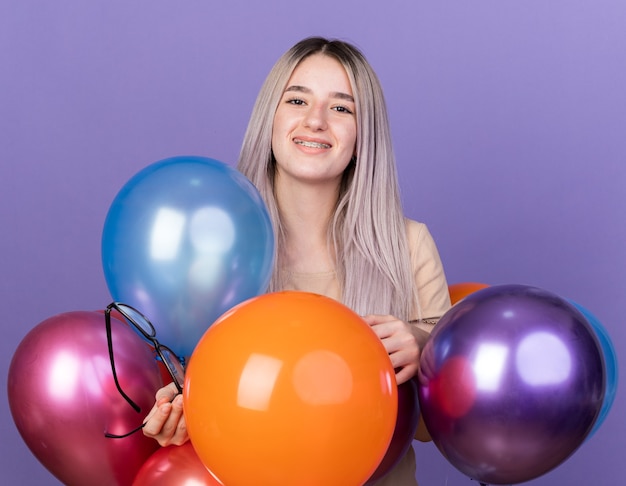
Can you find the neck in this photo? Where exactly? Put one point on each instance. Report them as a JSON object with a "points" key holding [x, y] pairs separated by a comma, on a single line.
{"points": [[306, 211]]}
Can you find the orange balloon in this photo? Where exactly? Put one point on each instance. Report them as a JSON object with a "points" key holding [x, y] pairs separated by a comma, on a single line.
{"points": [[461, 290], [290, 388], [174, 465]]}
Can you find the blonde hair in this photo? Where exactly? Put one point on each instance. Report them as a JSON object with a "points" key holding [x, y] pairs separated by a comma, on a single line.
{"points": [[368, 228]]}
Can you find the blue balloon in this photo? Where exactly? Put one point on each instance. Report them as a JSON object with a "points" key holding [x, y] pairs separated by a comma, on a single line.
{"points": [[610, 365], [185, 240]]}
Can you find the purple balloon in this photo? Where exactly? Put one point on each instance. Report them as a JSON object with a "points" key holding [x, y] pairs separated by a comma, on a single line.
{"points": [[62, 398], [404, 432], [511, 382]]}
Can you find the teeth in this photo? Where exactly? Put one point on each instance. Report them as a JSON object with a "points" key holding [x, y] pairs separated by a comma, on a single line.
{"points": [[312, 144]]}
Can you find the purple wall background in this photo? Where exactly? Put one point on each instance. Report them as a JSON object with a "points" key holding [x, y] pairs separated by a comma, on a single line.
{"points": [[509, 122]]}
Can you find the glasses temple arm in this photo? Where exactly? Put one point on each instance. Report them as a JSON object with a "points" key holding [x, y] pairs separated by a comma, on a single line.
{"points": [[107, 316]]}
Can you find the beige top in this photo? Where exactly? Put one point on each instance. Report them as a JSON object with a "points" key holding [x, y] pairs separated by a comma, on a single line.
{"points": [[432, 287], [434, 301]]}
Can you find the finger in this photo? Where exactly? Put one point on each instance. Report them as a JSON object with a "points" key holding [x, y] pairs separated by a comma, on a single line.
{"points": [[181, 436], [388, 328], [167, 393], [383, 332], [401, 341], [373, 319], [163, 395], [175, 428], [406, 373], [156, 419], [167, 425]]}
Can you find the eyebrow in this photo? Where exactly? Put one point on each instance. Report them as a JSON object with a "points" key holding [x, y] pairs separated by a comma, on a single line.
{"points": [[335, 94]]}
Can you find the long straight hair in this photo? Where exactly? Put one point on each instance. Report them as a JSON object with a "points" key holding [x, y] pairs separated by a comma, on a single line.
{"points": [[367, 231]]}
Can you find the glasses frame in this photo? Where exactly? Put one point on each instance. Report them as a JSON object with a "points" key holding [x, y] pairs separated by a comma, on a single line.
{"points": [[148, 336]]}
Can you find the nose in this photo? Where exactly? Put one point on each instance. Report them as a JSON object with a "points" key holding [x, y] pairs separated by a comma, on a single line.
{"points": [[315, 118]]}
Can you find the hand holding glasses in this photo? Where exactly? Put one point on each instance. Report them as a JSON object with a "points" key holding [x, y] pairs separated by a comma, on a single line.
{"points": [[173, 364]]}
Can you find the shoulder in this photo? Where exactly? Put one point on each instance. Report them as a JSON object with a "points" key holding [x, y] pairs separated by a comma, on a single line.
{"points": [[428, 273], [422, 247], [417, 233]]}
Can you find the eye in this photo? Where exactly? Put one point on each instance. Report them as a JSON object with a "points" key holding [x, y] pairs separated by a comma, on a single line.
{"points": [[295, 101], [342, 109]]}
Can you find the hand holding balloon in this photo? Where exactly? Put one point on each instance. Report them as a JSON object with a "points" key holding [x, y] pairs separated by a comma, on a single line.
{"points": [[166, 421], [402, 342]]}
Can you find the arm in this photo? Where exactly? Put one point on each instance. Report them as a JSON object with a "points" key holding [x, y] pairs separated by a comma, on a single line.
{"points": [[405, 340], [429, 277], [432, 288]]}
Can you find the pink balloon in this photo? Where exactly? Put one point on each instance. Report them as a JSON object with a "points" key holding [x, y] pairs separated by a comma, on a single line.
{"points": [[62, 398], [175, 465]]}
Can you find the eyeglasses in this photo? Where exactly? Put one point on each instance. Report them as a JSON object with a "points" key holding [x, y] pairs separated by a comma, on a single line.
{"points": [[174, 366]]}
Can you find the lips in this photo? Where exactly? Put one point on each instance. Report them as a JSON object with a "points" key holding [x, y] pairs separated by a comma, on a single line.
{"points": [[311, 143]]}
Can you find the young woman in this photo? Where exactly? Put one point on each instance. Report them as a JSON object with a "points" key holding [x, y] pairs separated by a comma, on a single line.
{"points": [[319, 150]]}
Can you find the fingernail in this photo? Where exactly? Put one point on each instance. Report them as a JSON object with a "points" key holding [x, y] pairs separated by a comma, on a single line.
{"points": [[165, 409]]}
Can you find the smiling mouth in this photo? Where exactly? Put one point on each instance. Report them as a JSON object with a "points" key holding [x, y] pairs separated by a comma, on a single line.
{"points": [[312, 144]]}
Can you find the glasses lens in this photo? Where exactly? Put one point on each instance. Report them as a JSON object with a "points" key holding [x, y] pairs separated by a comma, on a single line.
{"points": [[175, 367], [137, 319]]}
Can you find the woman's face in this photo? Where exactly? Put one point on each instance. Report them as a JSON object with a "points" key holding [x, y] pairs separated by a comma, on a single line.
{"points": [[314, 132]]}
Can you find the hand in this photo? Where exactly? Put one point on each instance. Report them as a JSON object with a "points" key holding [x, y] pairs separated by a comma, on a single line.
{"points": [[401, 340], [166, 422]]}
